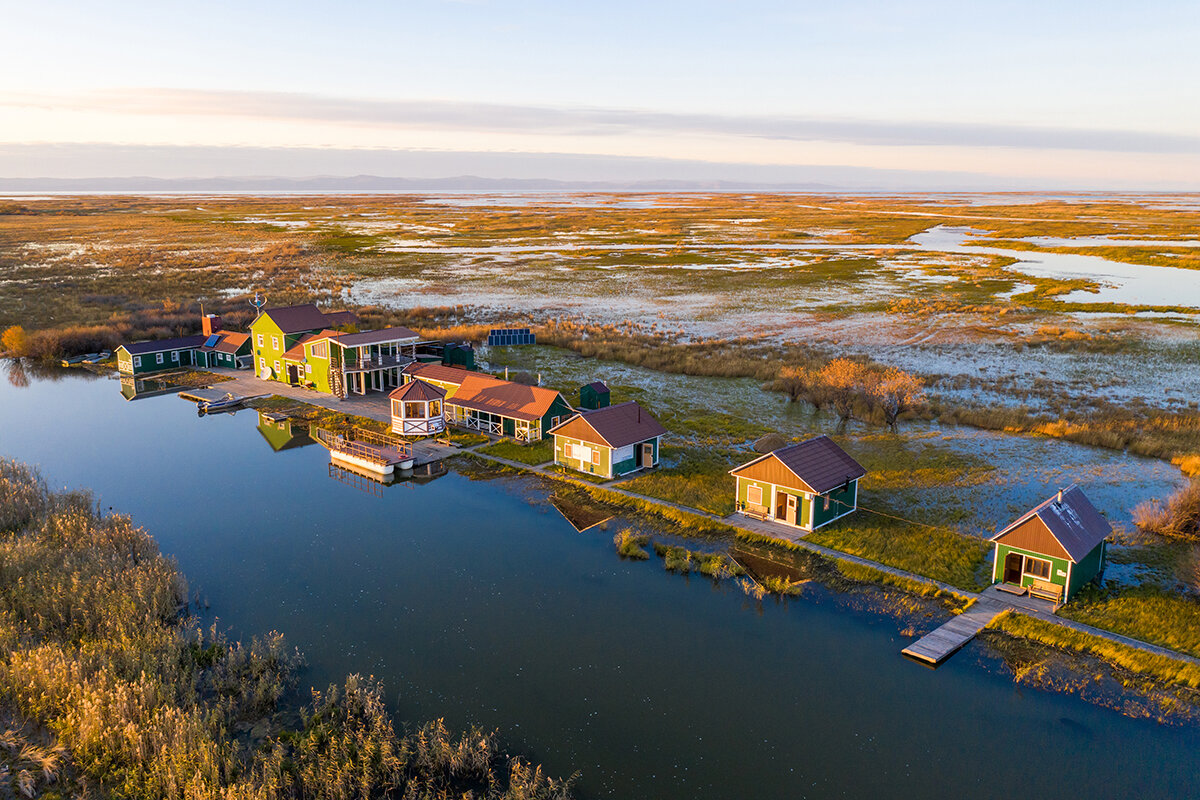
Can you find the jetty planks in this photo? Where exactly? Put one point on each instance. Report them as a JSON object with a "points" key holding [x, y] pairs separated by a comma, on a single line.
{"points": [[938, 645]]}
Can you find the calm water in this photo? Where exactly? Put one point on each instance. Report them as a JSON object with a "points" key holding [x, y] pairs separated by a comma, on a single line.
{"points": [[476, 601]]}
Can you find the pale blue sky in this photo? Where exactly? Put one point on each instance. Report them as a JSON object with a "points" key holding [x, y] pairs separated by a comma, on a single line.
{"points": [[1048, 91]]}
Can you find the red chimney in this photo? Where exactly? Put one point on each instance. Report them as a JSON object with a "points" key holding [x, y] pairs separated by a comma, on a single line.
{"points": [[210, 324]]}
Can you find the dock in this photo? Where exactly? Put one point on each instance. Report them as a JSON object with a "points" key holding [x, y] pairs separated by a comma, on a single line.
{"points": [[208, 395], [377, 452], [936, 646]]}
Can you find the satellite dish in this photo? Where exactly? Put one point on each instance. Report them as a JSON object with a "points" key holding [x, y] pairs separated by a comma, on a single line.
{"points": [[266, 373]]}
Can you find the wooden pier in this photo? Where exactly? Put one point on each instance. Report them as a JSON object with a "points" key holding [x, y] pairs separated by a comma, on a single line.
{"points": [[938, 645], [377, 452]]}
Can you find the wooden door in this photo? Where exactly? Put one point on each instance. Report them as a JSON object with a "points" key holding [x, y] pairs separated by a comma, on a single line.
{"points": [[1013, 562], [647, 454], [790, 509]]}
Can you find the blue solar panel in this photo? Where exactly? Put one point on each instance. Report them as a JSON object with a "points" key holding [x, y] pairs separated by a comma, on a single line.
{"points": [[211, 341], [503, 337]]}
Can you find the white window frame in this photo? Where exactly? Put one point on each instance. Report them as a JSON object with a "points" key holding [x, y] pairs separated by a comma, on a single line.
{"points": [[260, 340], [1049, 568], [175, 355], [278, 371], [137, 361], [262, 364], [158, 358], [274, 342], [750, 490], [308, 369]]}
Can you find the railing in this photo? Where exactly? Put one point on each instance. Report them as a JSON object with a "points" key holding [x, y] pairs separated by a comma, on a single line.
{"points": [[376, 362], [478, 424], [373, 447], [418, 427]]}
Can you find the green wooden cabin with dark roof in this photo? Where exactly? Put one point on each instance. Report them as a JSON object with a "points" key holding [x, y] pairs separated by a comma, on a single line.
{"points": [[143, 358], [805, 485], [1054, 550], [610, 442]]}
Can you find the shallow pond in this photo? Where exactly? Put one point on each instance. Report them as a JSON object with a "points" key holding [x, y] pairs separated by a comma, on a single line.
{"points": [[1132, 284], [476, 601]]}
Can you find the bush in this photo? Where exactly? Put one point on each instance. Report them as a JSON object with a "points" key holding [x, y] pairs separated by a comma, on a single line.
{"points": [[1179, 516]]}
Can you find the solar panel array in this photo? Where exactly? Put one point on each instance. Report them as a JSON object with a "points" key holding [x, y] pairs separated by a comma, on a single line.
{"points": [[211, 341], [503, 337]]}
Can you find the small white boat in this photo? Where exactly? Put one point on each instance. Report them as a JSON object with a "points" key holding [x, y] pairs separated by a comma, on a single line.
{"points": [[223, 404]]}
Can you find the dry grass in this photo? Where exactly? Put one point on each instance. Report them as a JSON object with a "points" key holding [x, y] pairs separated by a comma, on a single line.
{"points": [[1179, 516]]}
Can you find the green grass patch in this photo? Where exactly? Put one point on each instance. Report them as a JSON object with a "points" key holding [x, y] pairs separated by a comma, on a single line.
{"points": [[700, 479], [631, 545], [532, 454], [1148, 613], [1163, 668], [939, 554], [683, 560]]}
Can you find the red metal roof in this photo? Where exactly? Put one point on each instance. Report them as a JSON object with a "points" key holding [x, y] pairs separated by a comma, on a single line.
{"points": [[507, 399], [439, 373]]}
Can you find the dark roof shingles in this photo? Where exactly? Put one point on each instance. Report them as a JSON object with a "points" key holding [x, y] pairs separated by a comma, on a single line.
{"points": [[159, 345], [1074, 522], [820, 463], [623, 424]]}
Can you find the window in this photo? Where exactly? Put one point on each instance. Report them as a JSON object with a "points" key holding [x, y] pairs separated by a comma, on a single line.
{"points": [[596, 455], [262, 364], [175, 355], [277, 369], [308, 369], [395, 408], [554, 421], [754, 495], [435, 408], [826, 502], [158, 358], [137, 361], [260, 340], [414, 410], [320, 350], [1037, 568]]}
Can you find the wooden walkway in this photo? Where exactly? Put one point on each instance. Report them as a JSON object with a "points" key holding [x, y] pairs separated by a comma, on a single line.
{"points": [[941, 643]]}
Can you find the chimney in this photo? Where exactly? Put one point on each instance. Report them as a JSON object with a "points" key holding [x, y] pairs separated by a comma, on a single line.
{"points": [[210, 324], [1060, 494]]}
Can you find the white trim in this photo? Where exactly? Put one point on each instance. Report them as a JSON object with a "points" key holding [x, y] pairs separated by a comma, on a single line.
{"points": [[759, 489]]}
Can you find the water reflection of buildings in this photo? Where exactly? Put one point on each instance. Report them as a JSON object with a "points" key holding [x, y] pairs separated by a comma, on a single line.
{"points": [[134, 388], [374, 483], [282, 432]]}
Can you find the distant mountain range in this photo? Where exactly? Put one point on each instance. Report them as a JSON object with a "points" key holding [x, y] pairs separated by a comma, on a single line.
{"points": [[375, 183]]}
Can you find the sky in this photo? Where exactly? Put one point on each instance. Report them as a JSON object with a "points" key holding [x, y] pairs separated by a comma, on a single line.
{"points": [[1041, 94]]}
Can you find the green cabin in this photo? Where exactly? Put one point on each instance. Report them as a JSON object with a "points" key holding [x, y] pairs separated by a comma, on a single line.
{"points": [[805, 485], [594, 395], [610, 442], [143, 358], [1053, 550]]}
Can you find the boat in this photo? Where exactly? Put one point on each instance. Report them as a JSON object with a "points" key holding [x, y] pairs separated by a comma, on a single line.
{"points": [[225, 403]]}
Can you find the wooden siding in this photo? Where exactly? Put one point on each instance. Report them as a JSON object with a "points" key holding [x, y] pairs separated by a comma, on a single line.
{"points": [[1033, 536], [772, 471]]}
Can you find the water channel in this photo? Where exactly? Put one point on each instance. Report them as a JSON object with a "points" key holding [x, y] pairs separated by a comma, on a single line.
{"points": [[476, 601]]}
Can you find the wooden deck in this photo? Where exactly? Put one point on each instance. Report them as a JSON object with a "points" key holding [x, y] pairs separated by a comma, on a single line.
{"points": [[938, 645]]}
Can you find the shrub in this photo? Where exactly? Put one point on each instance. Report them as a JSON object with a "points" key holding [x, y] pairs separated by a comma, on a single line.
{"points": [[1179, 516]]}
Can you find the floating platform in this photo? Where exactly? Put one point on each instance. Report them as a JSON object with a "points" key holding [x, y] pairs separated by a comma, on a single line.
{"points": [[938, 645], [376, 452]]}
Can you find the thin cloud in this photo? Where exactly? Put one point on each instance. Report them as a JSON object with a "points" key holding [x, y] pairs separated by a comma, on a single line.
{"points": [[563, 121]]}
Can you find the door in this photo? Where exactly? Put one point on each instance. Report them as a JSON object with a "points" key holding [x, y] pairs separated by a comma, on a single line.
{"points": [[293, 374], [790, 510], [1012, 568], [647, 454]]}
